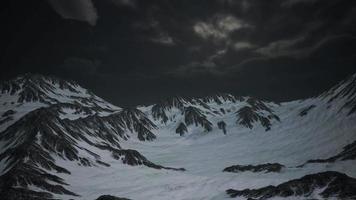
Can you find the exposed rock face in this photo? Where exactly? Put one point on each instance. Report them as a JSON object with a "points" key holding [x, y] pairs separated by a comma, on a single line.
{"points": [[109, 197], [222, 126], [194, 116], [306, 110], [256, 111], [248, 115], [326, 184], [198, 111], [268, 167], [133, 157], [159, 110], [348, 153], [32, 88], [136, 121], [181, 129]]}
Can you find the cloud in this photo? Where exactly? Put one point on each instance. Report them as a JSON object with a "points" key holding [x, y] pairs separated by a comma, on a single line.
{"points": [[218, 54], [81, 10], [218, 28], [243, 45], [291, 47], [154, 32], [281, 48], [164, 39]]}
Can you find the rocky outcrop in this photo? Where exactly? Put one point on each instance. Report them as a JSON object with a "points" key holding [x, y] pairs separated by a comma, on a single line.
{"points": [[256, 112], [247, 116], [8, 113], [326, 184], [136, 121], [133, 158], [268, 167], [193, 116], [306, 110], [159, 110], [222, 126], [181, 129], [109, 197]]}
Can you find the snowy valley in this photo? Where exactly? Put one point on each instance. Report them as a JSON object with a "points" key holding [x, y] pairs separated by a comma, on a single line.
{"points": [[61, 141]]}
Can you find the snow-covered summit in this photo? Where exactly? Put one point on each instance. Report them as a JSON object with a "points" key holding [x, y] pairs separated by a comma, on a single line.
{"points": [[29, 88]]}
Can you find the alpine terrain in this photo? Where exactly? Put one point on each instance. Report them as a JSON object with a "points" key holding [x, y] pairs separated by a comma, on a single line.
{"points": [[61, 141]]}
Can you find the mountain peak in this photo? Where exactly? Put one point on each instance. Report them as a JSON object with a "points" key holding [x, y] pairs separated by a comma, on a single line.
{"points": [[36, 87], [345, 92]]}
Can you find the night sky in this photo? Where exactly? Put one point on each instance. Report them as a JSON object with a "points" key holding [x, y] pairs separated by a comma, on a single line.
{"points": [[139, 51]]}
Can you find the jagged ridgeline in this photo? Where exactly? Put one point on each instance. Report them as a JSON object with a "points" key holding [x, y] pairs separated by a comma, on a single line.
{"points": [[44, 119], [210, 112]]}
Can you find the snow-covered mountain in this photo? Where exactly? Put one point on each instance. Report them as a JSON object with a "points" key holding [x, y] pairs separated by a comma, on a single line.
{"points": [[60, 141]]}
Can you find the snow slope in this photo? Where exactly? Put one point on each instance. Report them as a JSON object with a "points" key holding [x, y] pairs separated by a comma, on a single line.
{"points": [[257, 132]]}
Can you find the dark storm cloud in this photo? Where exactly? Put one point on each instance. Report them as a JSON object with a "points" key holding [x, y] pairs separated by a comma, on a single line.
{"points": [[82, 10], [137, 51]]}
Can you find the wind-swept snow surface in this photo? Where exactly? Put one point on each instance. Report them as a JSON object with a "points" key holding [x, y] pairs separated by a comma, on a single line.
{"points": [[142, 153]]}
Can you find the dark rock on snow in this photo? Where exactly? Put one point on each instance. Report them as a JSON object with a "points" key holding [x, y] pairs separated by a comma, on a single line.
{"points": [[109, 197], [248, 115], [193, 115], [269, 167], [326, 184], [159, 110], [8, 113], [306, 110], [134, 158], [181, 129], [222, 126]]}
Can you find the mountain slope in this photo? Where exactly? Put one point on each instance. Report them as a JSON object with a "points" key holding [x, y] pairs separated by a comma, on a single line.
{"points": [[60, 141], [64, 122]]}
